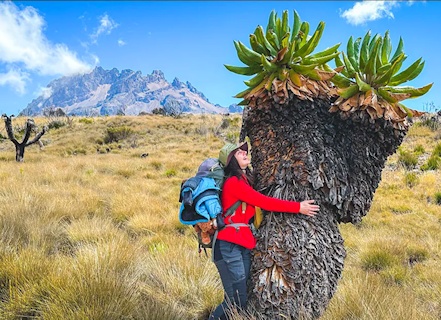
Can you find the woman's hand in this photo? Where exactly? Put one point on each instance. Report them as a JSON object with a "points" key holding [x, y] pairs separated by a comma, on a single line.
{"points": [[308, 208]]}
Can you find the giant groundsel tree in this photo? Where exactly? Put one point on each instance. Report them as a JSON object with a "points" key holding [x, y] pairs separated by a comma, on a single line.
{"points": [[316, 133]]}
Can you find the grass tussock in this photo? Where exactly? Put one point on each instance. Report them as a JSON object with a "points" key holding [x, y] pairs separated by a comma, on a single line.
{"points": [[105, 275], [367, 296], [89, 226]]}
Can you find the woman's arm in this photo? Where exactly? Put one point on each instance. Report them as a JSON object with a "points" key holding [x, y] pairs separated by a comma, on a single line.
{"points": [[239, 189]]}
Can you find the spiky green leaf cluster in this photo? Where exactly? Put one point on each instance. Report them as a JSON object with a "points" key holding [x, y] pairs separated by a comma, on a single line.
{"points": [[281, 53], [371, 77]]}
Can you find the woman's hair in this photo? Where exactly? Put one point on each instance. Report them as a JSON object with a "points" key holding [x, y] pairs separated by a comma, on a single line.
{"points": [[233, 170]]}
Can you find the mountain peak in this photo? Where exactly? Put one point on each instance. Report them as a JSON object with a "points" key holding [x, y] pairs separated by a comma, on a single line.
{"points": [[194, 90], [158, 75], [98, 69], [177, 84], [109, 92]]}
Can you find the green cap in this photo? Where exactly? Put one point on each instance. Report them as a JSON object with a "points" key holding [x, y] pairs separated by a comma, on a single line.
{"points": [[227, 152]]}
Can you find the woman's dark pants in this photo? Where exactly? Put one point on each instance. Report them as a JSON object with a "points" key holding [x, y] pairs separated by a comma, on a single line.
{"points": [[234, 269]]}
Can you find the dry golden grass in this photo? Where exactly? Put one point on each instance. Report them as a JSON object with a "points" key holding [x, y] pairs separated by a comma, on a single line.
{"points": [[90, 230]]}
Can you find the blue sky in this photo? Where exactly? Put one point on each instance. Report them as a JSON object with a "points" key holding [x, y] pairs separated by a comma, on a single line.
{"points": [[43, 41]]}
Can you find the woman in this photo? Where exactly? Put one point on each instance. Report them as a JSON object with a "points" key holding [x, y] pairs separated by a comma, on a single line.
{"points": [[232, 250]]}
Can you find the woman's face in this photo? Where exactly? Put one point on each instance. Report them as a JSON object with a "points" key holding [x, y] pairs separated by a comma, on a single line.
{"points": [[242, 158]]}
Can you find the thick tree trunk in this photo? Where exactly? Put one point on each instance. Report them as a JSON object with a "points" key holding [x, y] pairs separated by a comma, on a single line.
{"points": [[19, 152], [301, 151]]}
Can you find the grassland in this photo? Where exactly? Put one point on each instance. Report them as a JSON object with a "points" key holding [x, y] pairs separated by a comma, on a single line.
{"points": [[89, 226]]}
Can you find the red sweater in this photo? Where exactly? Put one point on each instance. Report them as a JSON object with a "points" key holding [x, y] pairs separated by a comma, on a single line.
{"points": [[235, 189]]}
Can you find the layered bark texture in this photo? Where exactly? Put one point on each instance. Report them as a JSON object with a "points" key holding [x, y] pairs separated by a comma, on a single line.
{"points": [[302, 151]]}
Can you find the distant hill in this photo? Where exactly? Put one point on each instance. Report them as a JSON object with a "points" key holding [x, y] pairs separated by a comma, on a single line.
{"points": [[111, 92]]}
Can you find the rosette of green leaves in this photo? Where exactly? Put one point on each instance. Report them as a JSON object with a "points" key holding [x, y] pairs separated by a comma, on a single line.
{"points": [[281, 52], [371, 78]]}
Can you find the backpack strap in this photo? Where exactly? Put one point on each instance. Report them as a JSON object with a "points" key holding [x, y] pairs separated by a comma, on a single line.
{"points": [[232, 210], [213, 246], [205, 250]]}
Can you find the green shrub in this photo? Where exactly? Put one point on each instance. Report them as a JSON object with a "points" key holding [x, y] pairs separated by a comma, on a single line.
{"points": [[377, 259], [157, 247], [419, 149], [438, 198], [407, 159], [86, 120], [416, 254], [56, 124], [432, 124], [437, 150], [432, 163], [170, 173], [232, 136], [395, 275], [116, 134], [411, 179], [236, 121]]}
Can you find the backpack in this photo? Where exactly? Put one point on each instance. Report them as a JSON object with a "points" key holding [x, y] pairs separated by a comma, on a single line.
{"points": [[200, 195], [200, 202]]}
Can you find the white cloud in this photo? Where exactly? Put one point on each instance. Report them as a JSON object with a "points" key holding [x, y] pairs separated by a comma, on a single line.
{"points": [[24, 46], [365, 11], [121, 42], [15, 79], [45, 92], [96, 59], [105, 27]]}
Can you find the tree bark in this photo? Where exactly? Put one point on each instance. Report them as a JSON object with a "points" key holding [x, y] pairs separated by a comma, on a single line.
{"points": [[243, 133], [301, 151], [19, 152]]}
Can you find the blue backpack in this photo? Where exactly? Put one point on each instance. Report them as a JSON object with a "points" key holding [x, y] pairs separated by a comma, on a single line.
{"points": [[200, 199], [200, 195]]}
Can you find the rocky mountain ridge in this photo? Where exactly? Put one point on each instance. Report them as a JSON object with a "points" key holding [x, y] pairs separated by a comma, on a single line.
{"points": [[111, 92]]}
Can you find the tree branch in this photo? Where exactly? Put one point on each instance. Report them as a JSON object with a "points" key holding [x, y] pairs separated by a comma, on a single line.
{"points": [[37, 136], [29, 126], [9, 130]]}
